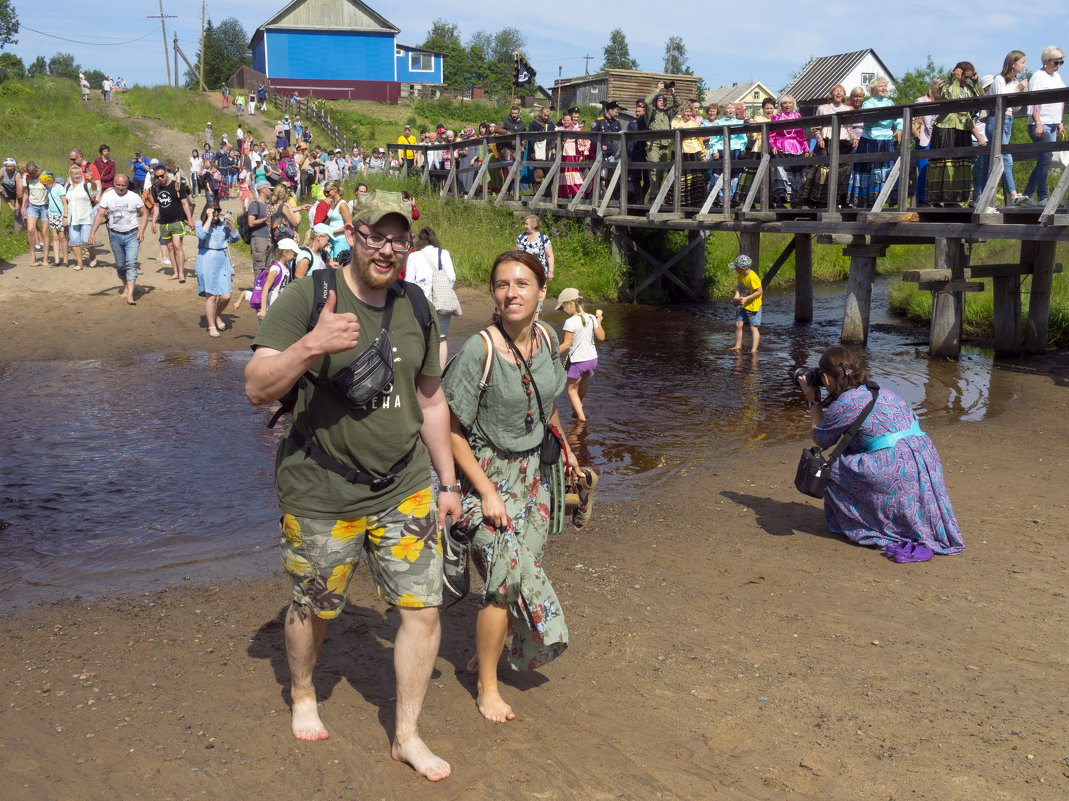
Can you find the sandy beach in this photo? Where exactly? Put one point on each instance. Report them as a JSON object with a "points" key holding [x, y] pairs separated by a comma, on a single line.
{"points": [[723, 643]]}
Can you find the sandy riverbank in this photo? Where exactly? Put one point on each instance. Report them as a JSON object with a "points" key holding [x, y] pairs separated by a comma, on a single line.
{"points": [[723, 644]]}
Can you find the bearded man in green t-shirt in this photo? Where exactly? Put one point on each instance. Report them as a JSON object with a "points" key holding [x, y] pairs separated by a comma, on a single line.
{"points": [[355, 475]]}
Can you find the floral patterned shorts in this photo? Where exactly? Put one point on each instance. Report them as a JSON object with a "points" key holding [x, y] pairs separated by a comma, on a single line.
{"points": [[403, 545]]}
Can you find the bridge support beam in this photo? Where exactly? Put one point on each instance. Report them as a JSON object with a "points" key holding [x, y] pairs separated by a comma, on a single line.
{"points": [[1035, 335], [948, 302], [859, 292], [1007, 305], [696, 263], [750, 245], [803, 278]]}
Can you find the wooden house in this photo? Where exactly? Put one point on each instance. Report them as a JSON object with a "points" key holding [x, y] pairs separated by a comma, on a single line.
{"points": [[623, 86], [340, 49]]}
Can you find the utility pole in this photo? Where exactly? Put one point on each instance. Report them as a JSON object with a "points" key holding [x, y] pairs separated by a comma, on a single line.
{"points": [[586, 66], [202, 45], [163, 27]]}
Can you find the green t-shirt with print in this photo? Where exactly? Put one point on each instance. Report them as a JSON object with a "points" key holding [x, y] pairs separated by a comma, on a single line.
{"points": [[374, 437]]}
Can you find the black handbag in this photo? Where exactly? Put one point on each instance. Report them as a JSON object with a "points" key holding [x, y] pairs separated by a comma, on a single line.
{"points": [[814, 471]]}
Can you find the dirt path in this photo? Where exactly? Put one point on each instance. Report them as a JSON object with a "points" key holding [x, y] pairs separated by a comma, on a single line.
{"points": [[157, 138]]}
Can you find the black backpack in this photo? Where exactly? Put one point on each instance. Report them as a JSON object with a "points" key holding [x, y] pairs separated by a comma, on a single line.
{"points": [[325, 282], [244, 231]]}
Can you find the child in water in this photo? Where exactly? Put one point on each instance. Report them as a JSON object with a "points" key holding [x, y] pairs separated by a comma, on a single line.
{"points": [[577, 346], [748, 301]]}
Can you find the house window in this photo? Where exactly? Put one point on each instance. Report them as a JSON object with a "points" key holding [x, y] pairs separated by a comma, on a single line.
{"points": [[399, 53], [866, 78], [421, 62], [756, 95]]}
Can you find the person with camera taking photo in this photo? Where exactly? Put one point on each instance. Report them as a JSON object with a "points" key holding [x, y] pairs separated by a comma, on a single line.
{"points": [[886, 489], [661, 108]]}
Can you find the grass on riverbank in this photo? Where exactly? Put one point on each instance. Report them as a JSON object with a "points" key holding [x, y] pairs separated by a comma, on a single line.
{"points": [[916, 304]]}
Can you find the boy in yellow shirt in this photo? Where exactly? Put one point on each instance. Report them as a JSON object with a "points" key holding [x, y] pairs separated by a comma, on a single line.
{"points": [[748, 300]]}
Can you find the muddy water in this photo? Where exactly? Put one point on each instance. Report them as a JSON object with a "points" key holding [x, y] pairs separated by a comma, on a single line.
{"points": [[120, 476]]}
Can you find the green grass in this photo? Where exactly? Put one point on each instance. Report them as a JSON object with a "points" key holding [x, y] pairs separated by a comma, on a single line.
{"points": [[178, 109], [45, 117], [475, 234], [916, 305]]}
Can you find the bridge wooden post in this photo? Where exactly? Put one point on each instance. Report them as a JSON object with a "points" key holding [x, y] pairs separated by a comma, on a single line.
{"points": [[696, 263], [1035, 335], [750, 245], [803, 278], [948, 302], [1007, 302], [859, 292]]}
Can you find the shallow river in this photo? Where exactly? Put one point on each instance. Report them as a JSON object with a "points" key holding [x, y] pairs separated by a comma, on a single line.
{"points": [[122, 475]]}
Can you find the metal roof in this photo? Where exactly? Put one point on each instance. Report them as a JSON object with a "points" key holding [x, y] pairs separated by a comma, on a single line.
{"points": [[818, 76], [343, 16]]}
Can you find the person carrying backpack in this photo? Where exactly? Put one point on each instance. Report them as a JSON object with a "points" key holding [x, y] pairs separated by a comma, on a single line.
{"points": [[276, 277], [361, 451], [257, 219], [283, 218], [288, 167]]}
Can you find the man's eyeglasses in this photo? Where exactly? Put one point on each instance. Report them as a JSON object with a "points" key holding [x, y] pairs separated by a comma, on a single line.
{"points": [[400, 244]]}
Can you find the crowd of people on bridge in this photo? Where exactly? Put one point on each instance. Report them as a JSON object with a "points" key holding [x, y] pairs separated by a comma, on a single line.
{"points": [[956, 181]]}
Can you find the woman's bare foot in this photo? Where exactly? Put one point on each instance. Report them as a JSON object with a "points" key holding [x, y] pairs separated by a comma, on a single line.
{"points": [[473, 665], [306, 724], [493, 707], [416, 753]]}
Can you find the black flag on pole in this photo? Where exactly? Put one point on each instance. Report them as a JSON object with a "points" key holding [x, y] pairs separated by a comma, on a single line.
{"points": [[525, 73]]}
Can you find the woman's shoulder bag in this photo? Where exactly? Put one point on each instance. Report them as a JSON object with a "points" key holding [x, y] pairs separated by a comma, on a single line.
{"points": [[814, 470]]}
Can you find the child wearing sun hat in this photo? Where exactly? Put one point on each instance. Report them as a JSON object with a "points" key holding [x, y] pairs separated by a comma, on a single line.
{"points": [[747, 301]]}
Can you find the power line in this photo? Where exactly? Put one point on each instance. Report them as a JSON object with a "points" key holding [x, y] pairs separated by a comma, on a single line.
{"points": [[79, 41]]}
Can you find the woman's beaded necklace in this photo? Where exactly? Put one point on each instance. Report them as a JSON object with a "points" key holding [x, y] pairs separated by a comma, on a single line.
{"points": [[525, 366]]}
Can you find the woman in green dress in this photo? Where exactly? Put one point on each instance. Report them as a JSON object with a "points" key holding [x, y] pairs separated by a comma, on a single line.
{"points": [[508, 497]]}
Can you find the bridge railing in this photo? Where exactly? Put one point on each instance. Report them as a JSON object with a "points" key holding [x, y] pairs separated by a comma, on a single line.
{"points": [[594, 171]]}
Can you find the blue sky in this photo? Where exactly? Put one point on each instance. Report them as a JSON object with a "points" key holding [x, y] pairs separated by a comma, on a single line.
{"points": [[767, 41]]}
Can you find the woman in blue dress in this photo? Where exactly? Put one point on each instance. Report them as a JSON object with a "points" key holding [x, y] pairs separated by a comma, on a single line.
{"points": [[887, 488], [214, 232]]}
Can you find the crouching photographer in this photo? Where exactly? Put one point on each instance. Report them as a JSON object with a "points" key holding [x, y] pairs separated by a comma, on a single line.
{"points": [[885, 484]]}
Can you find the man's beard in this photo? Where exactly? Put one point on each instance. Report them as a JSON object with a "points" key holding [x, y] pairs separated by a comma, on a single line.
{"points": [[371, 278]]}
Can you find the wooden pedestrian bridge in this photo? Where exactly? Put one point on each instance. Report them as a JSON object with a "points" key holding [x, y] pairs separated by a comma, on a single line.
{"points": [[503, 177]]}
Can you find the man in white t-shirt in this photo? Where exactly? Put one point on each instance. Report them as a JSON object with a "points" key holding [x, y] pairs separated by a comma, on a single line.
{"points": [[1044, 123], [126, 217]]}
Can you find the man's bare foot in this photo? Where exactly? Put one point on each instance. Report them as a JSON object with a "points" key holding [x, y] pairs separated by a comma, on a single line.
{"points": [[473, 665], [416, 753], [306, 724], [493, 707]]}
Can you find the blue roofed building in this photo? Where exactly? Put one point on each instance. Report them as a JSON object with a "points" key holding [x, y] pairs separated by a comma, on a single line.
{"points": [[340, 49]]}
